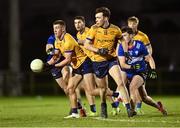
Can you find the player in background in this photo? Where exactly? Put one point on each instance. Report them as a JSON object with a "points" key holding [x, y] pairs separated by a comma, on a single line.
{"points": [[133, 23], [101, 40], [61, 76], [82, 30], [136, 68]]}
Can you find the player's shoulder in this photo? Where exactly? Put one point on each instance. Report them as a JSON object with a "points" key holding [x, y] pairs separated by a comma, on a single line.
{"points": [[86, 28], [69, 38], [94, 26], [67, 35], [114, 26], [142, 34]]}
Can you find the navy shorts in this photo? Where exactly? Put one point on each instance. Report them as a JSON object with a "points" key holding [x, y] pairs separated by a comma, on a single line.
{"points": [[56, 72], [101, 69], [142, 74], [85, 68]]}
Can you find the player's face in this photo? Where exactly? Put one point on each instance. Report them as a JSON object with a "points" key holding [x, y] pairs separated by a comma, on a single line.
{"points": [[127, 37], [58, 30], [133, 26], [100, 19], [79, 24]]}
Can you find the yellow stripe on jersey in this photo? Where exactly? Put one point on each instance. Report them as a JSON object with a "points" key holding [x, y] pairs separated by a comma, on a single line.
{"points": [[82, 36], [142, 37], [104, 38], [69, 44]]}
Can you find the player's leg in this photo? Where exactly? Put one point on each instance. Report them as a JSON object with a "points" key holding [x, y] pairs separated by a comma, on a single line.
{"points": [[136, 82], [89, 86], [67, 73], [125, 80], [72, 85], [138, 102], [114, 71], [148, 100], [82, 111]]}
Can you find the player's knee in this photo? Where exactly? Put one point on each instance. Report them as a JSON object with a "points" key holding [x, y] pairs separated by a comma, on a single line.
{"points": [[71, 91]]}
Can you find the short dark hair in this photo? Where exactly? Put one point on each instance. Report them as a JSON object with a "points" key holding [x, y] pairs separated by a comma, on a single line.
{"points": [[106, 12], [79, 18], [60, 22], [133, 19], [127, 29]]}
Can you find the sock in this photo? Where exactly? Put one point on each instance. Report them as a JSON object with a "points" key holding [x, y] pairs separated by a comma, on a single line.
{"points": [[115, 104], [115, 94], [128, 107], [79, 105], [104, 105], [93, 108], [74, 110], [138, 105]]}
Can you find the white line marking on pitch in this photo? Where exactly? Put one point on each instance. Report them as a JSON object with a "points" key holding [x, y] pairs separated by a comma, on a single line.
{"points": [[137, 121]]}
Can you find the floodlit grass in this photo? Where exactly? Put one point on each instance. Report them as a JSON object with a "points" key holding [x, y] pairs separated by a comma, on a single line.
{"points": [[49, 112]]}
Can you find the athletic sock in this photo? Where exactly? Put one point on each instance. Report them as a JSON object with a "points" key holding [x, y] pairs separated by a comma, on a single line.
{"points": [[128, 107], [115, 104], [79, 105], [74, 110], [138, 105], [93, 108]]}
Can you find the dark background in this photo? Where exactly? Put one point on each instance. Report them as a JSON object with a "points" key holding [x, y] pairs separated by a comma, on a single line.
{"points": [[159, 19]]}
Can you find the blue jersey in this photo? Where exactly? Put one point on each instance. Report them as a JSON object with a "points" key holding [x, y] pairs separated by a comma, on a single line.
{"points": [[137, 54], [50, 40]]}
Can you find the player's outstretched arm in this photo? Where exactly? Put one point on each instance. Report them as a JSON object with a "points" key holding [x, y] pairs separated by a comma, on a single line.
{"points": [[66, 61]]}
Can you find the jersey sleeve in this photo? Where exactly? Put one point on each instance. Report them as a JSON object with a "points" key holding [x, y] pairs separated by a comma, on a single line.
{"points": [[119, 33], [51, 39], [146, 40], [91, 33], [120, 50], [70, 44], [144, 50]]}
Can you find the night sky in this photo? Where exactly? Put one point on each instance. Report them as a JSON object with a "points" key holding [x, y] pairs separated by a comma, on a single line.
{"points": [[160, 20]]}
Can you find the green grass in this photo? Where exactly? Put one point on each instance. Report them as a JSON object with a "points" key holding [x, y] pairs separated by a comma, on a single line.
{"points": [[49, 112]]}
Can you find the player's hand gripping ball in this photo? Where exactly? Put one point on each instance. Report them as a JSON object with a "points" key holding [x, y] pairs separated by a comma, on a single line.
{"points": [[37, 65]]}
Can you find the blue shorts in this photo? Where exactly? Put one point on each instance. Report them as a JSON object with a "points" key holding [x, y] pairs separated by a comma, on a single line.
{"points": [[142, 74], [85, 68], [56, 72], [101, 69]]}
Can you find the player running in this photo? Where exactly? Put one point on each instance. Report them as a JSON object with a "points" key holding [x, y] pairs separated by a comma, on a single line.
{"points": [[66, 45], [136, 68], [101, 40], [63, 75], [133, 23]]}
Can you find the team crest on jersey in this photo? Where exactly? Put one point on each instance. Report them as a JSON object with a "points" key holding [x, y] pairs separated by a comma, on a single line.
{"points": [[136, 52]]}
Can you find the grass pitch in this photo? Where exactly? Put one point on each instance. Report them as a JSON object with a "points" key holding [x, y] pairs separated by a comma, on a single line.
{"points": [[49, 112]]}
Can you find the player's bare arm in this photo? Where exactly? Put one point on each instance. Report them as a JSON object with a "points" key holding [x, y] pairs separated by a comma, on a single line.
{"points": [[66, 61], [88, 46], [149, 59]]}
